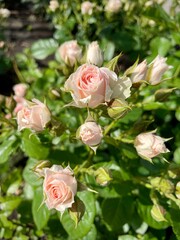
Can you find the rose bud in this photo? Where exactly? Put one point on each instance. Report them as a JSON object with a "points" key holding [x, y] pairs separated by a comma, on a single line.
{"points": [[139, 73], [113, 6], [102, 176], [90, 134], [40, 166], [20, 90], [35, 115], [156, 69], [60, 187], [53, 5], [158, 212], [118, 109], [70, 52], [149, 145], [87, 8], [94, 54], [91, 86]]}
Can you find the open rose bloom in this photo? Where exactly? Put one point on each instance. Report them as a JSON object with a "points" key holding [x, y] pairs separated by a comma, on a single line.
{"points": [[59, 187], [35, 115], [91, 86], [149, 145]]}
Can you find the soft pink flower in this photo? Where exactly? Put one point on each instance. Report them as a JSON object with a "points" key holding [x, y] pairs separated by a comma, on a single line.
{"points": [[34, 116], [87, 8], [90, 86], [60, 187], [139, 72], [113, 6], [70, 52], [94, 54], [20, 89], [90, 133], [156, 70], [149, 145]]}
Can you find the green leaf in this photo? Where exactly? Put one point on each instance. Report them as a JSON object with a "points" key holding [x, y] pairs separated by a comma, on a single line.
{"points": [[40, 212], [160, 45], [145, 212], [112, 64], [177, 155], [127, 237], [8, 147], [43, 48], [175, 221], [9, 203], [109, 51], [30, 176], [85, 224], [92, 234], [32, 145], [117, 211]]}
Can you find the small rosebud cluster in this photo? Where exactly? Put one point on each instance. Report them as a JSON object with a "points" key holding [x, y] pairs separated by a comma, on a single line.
{"points": [[151, 73]]}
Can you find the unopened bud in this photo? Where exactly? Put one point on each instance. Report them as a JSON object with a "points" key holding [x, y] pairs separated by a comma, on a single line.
{"points": [[161, 95], [94, 54], [38, 168], [158, 212], [118, 109], [102, 176], [165, 186]]}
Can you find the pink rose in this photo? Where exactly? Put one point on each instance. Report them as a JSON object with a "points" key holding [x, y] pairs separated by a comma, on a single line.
{"points": [[149, 145], [87, 8], [20, 89], [90, 133], [90, 86], [70, 52], [34, 116], [59, 187]]}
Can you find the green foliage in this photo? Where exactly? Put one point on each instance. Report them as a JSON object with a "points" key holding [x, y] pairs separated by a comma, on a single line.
{"points": [[43, 48]]}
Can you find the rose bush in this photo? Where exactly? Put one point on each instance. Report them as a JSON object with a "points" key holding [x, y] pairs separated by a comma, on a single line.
{"points": [[110, 189]]}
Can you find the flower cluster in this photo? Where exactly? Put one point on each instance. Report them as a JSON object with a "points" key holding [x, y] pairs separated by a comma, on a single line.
{"points": [[96, 88]]}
